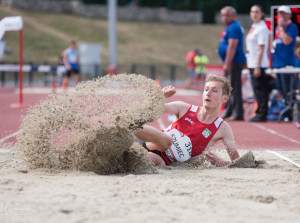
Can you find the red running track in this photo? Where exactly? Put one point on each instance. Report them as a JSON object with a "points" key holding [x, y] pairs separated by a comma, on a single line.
{"points": [[10, 118], [249, 136]]}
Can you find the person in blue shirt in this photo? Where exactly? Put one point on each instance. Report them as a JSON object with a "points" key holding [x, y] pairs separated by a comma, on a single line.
{"points": [[297, 52], [234, 59], [283, 47], [71, 62]]}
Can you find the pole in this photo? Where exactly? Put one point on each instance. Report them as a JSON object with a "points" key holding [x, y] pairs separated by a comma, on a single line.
{"points": [[16, 23], [112, 34], [20, 104], [21, 68]]}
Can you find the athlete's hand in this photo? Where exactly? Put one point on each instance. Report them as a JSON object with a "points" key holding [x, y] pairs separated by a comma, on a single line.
{"points": [[215, 160], [168, 91]]}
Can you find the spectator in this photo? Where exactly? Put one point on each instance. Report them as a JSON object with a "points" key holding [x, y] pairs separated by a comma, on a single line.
{"points": [[297, 52], [200, 61], [283, 48], [3, 48], [189, 58], [257, 61], [233, 57], [247, 95], [297, 64], [71, 62]]}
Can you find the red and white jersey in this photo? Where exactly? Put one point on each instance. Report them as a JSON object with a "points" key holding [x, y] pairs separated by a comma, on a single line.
{"points": [[190, 136]]}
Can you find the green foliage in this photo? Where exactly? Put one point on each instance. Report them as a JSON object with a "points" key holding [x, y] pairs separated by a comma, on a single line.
{"points": [[100, 2], [208, 7], [190, 5]]}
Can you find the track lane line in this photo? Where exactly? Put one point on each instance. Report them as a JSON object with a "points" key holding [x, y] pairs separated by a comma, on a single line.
{"points": [[10, 136], [276, 133], [283, 157]]}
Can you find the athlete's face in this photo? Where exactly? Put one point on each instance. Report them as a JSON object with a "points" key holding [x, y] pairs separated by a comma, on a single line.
{"points": [[213, 95]]}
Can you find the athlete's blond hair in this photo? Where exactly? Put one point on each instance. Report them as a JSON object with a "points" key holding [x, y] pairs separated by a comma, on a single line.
{"points": [[226, 89]]}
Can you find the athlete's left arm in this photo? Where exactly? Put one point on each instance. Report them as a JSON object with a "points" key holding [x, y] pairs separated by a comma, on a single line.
{"points": [[229, 142], [228, 139]]}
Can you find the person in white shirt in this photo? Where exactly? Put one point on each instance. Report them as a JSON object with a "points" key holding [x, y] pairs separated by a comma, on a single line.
{"points": [[257, 42]]}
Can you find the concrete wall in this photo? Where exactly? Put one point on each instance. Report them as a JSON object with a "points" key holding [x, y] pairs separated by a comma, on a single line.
{"points": [[100, 11], [124, 13]]}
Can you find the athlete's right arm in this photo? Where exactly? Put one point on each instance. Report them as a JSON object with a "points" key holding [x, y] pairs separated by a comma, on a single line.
{"points": [[178, 108]]}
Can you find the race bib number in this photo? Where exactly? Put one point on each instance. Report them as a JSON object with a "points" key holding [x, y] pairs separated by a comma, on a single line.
{"points": [[181, 149]]}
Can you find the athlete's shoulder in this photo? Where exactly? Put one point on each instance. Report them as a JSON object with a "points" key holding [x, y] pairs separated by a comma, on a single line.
{"points": [[225, 124], [183, 108], [224, 128]]}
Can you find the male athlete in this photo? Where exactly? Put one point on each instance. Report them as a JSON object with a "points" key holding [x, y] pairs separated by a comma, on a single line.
{"points": [[71, 62], [194, 128]]}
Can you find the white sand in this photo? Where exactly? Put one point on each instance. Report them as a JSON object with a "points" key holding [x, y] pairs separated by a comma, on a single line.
{"points": [[174, 194]]}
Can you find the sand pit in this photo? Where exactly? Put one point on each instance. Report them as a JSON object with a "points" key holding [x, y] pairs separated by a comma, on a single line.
{"points": [[182, 193], [56, 177]]}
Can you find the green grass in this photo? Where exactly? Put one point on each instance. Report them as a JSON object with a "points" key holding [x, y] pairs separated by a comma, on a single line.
{"points": [[138, 42]]}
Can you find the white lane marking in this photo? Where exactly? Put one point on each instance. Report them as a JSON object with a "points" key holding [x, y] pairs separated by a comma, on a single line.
{"points": [[10, 136], [276, 133], [161, 124], [283, 157]]}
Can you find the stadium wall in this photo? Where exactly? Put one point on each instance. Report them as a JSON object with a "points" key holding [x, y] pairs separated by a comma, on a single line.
{"points": [[76, 7], [99, 11]]}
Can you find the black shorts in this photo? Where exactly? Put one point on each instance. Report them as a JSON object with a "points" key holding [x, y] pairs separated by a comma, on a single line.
{"points": [[143, 144], [72, 71]]}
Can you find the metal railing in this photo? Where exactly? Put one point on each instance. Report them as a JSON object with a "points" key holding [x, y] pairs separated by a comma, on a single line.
{"points": [[44, 74]]}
